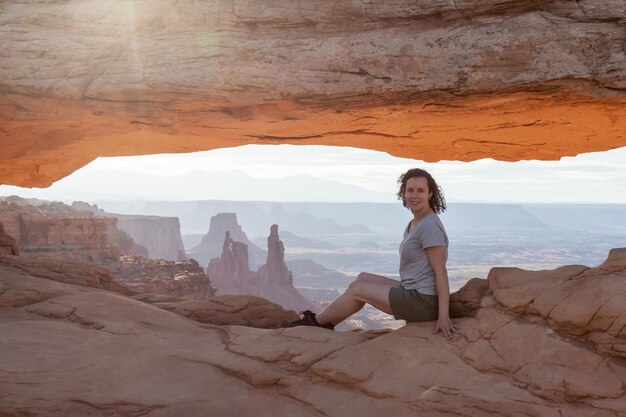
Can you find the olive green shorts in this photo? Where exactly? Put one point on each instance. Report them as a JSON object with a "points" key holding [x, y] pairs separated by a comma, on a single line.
{"points": [[411, 305]]}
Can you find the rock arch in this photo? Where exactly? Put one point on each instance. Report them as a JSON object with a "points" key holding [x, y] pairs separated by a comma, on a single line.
{"points": [[509, 80]]}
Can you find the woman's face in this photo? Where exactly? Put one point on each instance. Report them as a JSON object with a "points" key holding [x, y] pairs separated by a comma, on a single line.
{"points": [[416, 194]]}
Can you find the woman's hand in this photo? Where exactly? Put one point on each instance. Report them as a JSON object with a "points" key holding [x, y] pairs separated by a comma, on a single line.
{"points": [[437, 259], [446, 326]]}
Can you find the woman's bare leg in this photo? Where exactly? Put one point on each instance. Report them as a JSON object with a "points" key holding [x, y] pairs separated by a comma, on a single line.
{"points": [[358, 293], [378, 279]]}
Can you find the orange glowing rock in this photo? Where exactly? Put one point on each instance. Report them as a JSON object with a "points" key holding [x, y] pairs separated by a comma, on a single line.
{"points": [[460, 81]]}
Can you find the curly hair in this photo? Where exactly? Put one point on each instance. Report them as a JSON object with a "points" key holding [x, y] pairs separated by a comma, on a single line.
{"points": [[437, 202]]}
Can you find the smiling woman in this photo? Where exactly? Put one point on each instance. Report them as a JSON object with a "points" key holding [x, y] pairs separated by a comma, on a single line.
{"points": [[423, 291]]}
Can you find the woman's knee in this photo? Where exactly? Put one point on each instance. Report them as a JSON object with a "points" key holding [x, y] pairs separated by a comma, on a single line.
{"points": [[355, 286], [363, 276], [360, 289], [371, 293]]}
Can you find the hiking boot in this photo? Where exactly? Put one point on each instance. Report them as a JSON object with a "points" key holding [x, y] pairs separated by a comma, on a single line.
{"points": [[308, 319]]}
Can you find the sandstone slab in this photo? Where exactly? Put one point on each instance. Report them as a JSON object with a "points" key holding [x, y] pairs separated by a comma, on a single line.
{"points": [[74, 350], [240, 310], [576, 301]]}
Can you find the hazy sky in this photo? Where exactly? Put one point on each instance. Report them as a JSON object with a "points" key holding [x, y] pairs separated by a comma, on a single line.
{"points": [[321, 173]]}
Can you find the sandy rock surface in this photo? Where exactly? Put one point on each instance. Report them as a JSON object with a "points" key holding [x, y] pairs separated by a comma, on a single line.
{"points": [[240, 310], [570, 301], [69, 350]]}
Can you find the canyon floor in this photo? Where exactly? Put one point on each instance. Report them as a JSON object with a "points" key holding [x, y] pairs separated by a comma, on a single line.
{"points": [[532, 343]]}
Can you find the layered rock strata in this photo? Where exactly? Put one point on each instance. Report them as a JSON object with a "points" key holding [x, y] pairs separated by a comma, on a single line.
{"points": [[126, 260], [123, 240], [156, 237], [172, 278], [454, 80], [45, 271], [119, 237], [225, 310], [76, 237], [508, 360], [231, 274], [160, 236]]}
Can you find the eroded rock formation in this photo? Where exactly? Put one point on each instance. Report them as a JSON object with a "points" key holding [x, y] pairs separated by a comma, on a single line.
{"points": [[527, 351], [275, 269], [586, 304], [57, 234], [212, 243], [172, 278], [45, 271], [230, 274], [8, 244], [81, 232], [432, 80], [123, 240], [226, 310], [159, 235]]}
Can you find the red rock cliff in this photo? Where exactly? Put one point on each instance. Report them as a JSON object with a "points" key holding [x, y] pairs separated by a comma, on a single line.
{"points": [[39, 234], [160, 236]]}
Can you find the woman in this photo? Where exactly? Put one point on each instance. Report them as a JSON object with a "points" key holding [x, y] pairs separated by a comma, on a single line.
{"points": [[423, 293]]}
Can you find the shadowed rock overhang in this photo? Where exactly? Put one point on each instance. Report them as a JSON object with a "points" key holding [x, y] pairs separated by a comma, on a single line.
{"points": [[431, 80]]}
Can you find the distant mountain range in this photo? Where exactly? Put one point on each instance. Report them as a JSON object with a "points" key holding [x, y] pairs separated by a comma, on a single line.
{"points": [[255, 217], [314, 219], [200, 185], [588, 217]]}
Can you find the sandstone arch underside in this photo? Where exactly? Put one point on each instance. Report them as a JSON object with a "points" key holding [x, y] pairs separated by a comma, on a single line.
{"points": [[431, 80]]}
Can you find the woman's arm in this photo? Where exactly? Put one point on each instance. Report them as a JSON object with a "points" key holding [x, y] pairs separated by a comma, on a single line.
{"points": [[437, 259]]}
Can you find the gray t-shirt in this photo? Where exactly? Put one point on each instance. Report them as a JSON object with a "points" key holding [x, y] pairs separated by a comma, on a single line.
{"points": [[415, 270]]}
